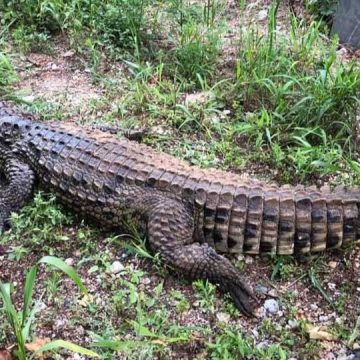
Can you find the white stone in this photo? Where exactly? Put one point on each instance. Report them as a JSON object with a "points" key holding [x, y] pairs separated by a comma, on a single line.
{"points": [[271, 306], [262, 15], [116, 267]]}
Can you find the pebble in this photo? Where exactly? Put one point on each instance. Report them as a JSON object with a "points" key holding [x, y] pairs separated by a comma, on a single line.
{"points": [[145, 281], [331, 286], [293, 324], [223, 317], [332, 264], [262, 15], [249, 260], [273, 293], [116, 267], [323, 318], [271, 306], [262, 345], [313, 307], [260, 289], [69, 261]]}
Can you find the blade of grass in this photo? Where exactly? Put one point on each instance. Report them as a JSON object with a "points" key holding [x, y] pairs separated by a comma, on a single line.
{"points": [[316, 284], [28, 292], [68, 270], [56, 344]]}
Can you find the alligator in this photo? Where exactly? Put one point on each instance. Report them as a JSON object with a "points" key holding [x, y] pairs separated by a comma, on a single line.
{"points": [[192, 216]]}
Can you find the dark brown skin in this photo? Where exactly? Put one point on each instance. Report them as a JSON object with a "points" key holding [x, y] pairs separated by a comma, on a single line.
{"points": [[187, 212]]}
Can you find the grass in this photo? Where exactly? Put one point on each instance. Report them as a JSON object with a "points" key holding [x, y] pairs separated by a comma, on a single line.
{"points": [[285, 103]]}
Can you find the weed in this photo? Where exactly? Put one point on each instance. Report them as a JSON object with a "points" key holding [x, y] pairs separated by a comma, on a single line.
{"points": [[21, 321], [37, 221], [232, 344], [295, 96], [7, 72], [205, 295]]}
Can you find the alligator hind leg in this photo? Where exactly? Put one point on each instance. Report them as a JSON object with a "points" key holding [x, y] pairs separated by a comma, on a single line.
{"points": [[19, 181], [170, 228]]}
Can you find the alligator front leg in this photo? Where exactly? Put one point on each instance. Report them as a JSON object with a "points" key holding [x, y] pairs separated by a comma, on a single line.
{"points": [[170, 228], [19, 184]]}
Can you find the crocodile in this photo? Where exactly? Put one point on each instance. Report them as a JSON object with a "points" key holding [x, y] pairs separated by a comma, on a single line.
{"points": [[192, 216]]}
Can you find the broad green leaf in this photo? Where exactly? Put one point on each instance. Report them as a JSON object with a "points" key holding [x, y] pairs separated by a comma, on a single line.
{"points": [[28, 292], [68, 270], [56, 344]]}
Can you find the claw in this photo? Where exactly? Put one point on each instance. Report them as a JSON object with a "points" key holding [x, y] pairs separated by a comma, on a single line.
{"points": [[242, 295]]}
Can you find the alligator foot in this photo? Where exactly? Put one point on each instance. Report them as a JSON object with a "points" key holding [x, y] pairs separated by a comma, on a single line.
{"points": [[200, 261], [16, 187], [170, 228]]}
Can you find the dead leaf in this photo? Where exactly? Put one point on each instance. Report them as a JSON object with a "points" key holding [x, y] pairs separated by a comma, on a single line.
{"points": [[69, 53], [37, 344], [318, 333], [159, 342], [85, 300], [5, 355]]}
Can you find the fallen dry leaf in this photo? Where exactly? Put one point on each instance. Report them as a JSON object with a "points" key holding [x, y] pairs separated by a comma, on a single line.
{"points": [[317, 333], [5, 355], [37, 344]]}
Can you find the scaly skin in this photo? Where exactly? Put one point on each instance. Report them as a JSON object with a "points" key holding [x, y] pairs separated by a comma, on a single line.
{"points": [[187, 212]]}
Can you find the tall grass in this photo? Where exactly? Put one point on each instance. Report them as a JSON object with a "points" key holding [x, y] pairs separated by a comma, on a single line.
{"points": [[295, 98]]}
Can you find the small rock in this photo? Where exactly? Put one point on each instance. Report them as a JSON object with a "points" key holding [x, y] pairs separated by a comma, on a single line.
{"points": [[240, 257], [262, 345], [29, 98], [271, 306], [249, 260], [330, 356], [77, 253], [331, 286], [344, 357], [293, 324], [356, 346], [262, 15], [323, 318], [223, 317], [54, 67], [332, 264], [260, 289], [80, 330], [313, 307], [68, 53], [145, 281], [273, 293], [196, 304], [116, 267], [69, 261]]}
